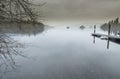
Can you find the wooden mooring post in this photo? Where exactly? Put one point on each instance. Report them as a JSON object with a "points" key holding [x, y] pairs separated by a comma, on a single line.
{"points": [[94, 28], [94, 33], [109, 29]]}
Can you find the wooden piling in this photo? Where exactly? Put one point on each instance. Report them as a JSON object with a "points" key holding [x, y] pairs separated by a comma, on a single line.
{"points": [[94, 33], [109, 29], [94, 28]]}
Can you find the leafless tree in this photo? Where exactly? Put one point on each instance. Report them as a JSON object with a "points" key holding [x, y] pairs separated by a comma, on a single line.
{"points": [[18, 10]]}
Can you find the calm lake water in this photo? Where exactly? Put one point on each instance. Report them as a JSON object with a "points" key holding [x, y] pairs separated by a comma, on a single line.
{"points": [[61, 53]]}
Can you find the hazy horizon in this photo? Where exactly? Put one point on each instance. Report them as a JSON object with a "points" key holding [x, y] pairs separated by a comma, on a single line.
{"points": [[99, 11]]}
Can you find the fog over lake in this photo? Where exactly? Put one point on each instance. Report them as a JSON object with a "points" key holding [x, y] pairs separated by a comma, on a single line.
{"points": [[82, 10], [60, 39]]}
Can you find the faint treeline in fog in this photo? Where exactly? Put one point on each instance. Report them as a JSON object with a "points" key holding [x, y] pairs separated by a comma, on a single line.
{"points": [[17, 10], [115, 26], [22, 28]]}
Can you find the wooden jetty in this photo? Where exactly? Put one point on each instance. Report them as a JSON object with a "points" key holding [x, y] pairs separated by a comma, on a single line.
{"points": [[110, 37], [106, 36], [98, 35]]}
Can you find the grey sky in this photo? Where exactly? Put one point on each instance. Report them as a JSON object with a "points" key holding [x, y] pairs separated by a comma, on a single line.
{"points": [[81, 9]]}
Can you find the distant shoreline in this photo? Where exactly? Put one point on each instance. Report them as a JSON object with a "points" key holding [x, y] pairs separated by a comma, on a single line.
{"points": [[21, 22], [22, 27]]}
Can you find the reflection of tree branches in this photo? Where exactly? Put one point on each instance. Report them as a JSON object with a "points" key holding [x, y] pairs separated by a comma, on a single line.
{"points": [[8, 49]]}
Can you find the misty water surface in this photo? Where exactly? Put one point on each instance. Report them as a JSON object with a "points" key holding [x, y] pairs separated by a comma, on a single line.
{"points": [[61, 53]]}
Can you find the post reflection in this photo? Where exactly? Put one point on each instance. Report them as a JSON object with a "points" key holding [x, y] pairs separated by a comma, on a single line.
{"points": [[94, 39], [108, 43]]}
